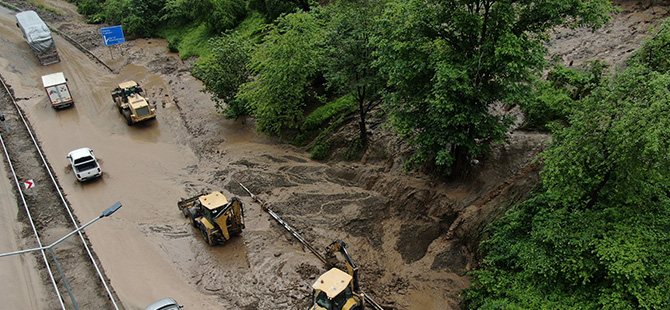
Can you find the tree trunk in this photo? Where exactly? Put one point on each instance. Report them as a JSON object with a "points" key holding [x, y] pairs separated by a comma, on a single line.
{"points": [[461, 164], [361, 123]]}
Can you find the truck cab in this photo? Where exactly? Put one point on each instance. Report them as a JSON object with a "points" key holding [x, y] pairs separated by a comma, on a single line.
{"points": [[333, 291], [337, 289]]}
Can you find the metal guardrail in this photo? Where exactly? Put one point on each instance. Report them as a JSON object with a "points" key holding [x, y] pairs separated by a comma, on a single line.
{"points": [[61, 196], [25, 205]]}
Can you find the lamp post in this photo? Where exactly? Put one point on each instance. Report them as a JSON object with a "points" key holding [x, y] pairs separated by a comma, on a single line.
{"points": [[105, 213]]}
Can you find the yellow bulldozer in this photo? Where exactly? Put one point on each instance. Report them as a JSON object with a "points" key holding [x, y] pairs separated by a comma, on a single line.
{"points": [[129, 99], [217, 218], [336, 289]]}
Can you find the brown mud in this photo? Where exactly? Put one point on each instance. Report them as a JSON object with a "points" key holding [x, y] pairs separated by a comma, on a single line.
{"points": [[413, 236]]}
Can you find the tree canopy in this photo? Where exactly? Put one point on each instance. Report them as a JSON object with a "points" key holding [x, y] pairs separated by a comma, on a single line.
{"points": [[350, 55], [225, 72], [283, 67], [449, 62], [596, 236]]}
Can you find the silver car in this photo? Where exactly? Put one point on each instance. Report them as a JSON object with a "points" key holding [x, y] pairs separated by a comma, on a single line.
{"points": [[164, 304], [84, 164]]}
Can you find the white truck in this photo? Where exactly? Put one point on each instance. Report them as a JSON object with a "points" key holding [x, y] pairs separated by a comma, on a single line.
{"points": [[55, 85], [38, 36], [84, 164]]}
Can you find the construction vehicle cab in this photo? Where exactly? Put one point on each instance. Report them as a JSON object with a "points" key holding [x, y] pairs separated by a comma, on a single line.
{"points": [[336, 289], [131, 104], [217, 218]]}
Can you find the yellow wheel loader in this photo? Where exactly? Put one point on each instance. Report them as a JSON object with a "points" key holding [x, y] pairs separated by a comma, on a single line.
{"points": [[131, 104], [217, 218], [336, 289]]}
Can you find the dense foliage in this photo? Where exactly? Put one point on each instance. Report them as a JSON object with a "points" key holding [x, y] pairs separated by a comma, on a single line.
{"points": [[225, 71], [284, 66], [272, 9], [450, 62], [137, 17], [145, 18], [596, 237], [350, 53], [441, 67], [554, 98]]}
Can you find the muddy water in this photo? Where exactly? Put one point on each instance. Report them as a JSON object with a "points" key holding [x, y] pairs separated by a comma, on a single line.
{"points": [[145, 184], [136, 266], [147, 249]]}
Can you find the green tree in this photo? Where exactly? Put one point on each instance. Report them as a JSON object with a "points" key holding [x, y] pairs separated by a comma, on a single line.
{"points": [[449, 62], [655, 53], [283, 67], [272, 9], [89, 7], [225, 72], [138, 17], [225, 14], [184, 12], [218, 15], [350, 55], [597, 236], [555, 96]]}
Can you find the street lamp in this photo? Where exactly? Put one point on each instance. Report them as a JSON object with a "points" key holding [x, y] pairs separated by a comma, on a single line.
{"points": [[109, 211]]}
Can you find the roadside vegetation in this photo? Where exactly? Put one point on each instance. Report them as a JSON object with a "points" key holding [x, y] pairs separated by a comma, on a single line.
{"points": [[594, 234], [435, 72]]}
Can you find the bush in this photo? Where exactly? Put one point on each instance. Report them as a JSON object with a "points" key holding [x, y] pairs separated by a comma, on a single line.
{"points": [[89, 7], [96, 18], [224, 72], [556, 96], [321, 151], [225, 15], [272, 9], [138, 17]]}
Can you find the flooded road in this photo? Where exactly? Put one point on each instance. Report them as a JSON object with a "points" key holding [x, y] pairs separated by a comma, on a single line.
{"points": [[147, 248]]}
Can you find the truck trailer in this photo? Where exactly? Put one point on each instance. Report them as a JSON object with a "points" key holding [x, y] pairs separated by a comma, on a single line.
{"points": [[59, 94], [38, 36]]}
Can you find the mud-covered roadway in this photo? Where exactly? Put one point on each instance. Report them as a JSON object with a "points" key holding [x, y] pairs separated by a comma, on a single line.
{"points": [[411, 236]]}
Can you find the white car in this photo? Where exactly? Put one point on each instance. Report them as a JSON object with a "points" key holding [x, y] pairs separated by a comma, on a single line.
{"points": [[164, 304], [84, 164]]}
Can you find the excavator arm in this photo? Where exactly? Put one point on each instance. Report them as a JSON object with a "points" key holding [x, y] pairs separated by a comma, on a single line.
{"points": [[341, 247]]}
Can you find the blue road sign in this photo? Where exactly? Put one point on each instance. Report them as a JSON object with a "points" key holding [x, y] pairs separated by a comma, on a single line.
{"points": [[112, 35]]}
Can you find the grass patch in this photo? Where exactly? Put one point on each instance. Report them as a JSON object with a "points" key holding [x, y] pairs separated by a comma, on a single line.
{"points": [[330, 116], [188, 41], [9, 6], [252, 27], [41, 6], [344, 104], [192, 40]]}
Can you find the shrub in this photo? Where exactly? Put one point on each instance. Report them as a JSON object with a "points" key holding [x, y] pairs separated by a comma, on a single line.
{"points": [[225, 15], [138, 17], [321, 150], [272, 9]]}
